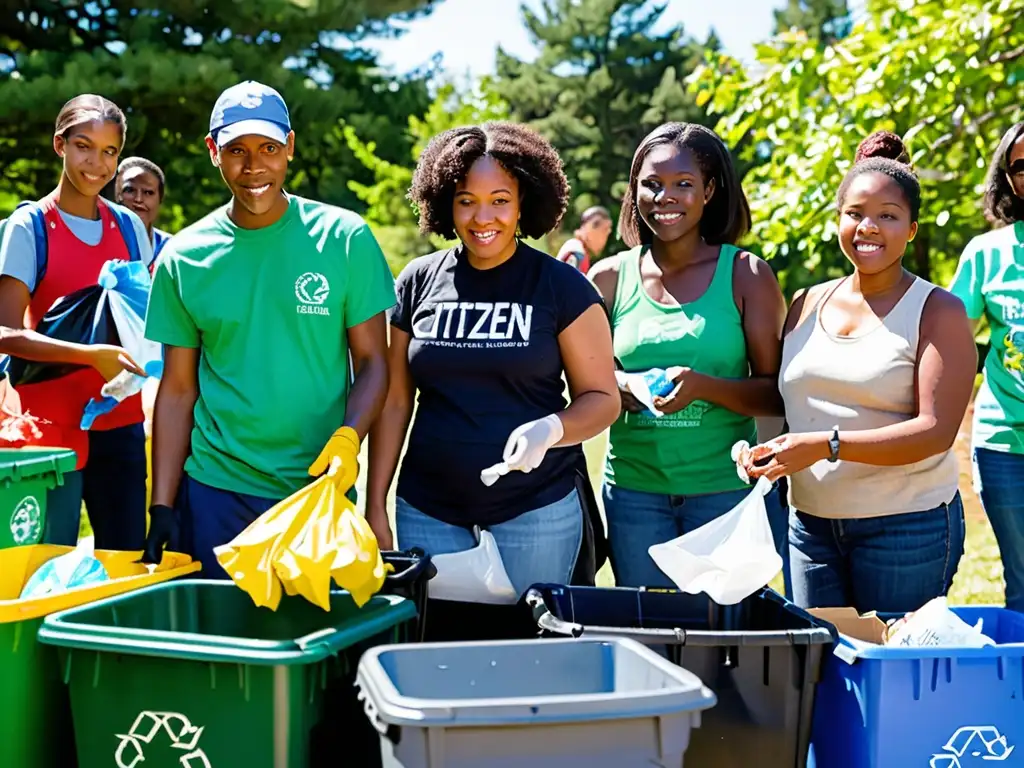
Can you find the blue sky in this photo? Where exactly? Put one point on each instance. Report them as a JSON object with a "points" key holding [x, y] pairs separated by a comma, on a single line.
{"points": [[470, 31]]}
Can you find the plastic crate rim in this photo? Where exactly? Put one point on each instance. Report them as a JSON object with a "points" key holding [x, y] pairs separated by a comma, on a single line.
{"points": [[60, 629]]}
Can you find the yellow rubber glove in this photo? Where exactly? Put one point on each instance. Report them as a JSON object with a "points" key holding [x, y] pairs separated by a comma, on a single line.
{"points": [[339, 459]]}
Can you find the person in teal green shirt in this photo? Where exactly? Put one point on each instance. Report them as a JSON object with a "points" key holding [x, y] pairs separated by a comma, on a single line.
{"points": [[272, 313], [990, 282], [686, 297]]}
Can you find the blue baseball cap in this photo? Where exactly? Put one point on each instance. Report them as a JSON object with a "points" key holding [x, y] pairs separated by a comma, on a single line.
{"points": [[250, 108]]}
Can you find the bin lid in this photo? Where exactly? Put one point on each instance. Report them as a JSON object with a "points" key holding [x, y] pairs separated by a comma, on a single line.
{"points": [[19, 463], [635, 682], [297, 633]]}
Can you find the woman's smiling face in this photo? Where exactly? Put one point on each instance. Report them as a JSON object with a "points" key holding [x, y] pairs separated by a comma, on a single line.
{"points": [[671, 192], [875, 223], [90, 151], [486, 210]]}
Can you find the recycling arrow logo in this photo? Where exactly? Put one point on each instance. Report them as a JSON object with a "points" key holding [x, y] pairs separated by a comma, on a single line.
{"points": [[147, 726]]}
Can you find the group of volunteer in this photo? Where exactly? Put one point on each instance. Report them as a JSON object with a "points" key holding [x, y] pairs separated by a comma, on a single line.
{"points": [[287, 343]]}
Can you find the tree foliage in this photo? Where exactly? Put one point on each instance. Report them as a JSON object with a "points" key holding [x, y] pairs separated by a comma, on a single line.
{"points": [[947, 77], [604, 77], [825, 21], [166, 61]]}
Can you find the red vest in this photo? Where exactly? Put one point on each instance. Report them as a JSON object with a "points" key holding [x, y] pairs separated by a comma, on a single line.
{"points": [[71, 266]]}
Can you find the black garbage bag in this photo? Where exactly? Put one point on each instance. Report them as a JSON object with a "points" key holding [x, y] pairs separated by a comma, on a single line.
{"points": [[82, 317]]}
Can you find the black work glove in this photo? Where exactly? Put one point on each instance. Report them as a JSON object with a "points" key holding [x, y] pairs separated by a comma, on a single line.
{"points": [[163, 526]]}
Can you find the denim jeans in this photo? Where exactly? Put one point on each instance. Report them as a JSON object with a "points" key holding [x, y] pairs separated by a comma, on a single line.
{"points": [[639, 519], [537, 547], [1000, 480], [890, 564], [113, 486]]}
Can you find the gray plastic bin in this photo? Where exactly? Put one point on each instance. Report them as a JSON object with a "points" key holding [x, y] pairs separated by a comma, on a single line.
{"points": [[603, 703]]}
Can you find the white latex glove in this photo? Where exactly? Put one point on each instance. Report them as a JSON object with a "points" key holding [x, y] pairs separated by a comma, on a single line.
{"points": [[526, 448], [737, 453]]}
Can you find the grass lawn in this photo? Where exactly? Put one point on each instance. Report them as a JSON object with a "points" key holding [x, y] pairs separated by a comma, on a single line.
{"points": [[978, 581]]}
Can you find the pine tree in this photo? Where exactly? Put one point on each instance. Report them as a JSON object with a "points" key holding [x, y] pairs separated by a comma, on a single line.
{"points": [[825, 21], [606, 75], [165, 61]]}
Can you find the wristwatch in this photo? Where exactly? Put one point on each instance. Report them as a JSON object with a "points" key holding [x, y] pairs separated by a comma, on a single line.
{"points": [[833, 445]]}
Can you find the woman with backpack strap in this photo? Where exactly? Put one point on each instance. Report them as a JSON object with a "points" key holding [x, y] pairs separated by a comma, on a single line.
{"points": [[48, 250]]}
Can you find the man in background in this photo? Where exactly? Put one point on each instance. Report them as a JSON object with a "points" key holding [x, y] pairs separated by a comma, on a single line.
{"points": [[589, 239]]}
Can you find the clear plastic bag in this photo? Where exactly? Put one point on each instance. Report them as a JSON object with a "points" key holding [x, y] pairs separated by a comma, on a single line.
{"points": [[729, 558], [474, 576], [77, 568], [935, 625]]}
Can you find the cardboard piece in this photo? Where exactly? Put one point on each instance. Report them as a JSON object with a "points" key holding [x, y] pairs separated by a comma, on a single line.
{"points": [[867, 627]]}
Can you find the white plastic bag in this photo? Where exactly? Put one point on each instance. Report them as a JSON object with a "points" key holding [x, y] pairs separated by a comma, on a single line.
{"points": [[74, 569], [474, 576], [729, 558], [935, 624]]}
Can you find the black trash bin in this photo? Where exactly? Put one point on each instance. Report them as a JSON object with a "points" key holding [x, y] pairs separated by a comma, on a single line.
{"points": [[345, 736], [761, 657], [412, 571]]}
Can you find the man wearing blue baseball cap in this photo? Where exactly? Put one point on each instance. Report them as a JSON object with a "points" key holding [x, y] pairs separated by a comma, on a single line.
{"points": [[262, 306]]}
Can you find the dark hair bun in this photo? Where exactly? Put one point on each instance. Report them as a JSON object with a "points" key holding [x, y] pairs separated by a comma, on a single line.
{"points": [[883, 144]]}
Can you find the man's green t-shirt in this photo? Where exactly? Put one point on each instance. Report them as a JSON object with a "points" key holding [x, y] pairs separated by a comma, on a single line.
{"points": [[268, 309], [990, 283]]}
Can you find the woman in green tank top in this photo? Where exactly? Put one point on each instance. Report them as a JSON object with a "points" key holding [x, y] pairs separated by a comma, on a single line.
{"points": [[685, 296]]}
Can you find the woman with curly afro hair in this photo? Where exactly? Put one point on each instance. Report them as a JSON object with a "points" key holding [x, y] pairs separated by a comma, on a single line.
{"points": [[988, 281], [483, 332], [877, 369], [685, 298]]}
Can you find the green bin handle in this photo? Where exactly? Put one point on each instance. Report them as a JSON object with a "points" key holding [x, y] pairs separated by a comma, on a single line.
{"points": [[330, 640]]}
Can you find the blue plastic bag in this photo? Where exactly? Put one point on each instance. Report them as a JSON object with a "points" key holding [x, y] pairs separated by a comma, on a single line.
{"points": [[126, 286], [647, 385]]}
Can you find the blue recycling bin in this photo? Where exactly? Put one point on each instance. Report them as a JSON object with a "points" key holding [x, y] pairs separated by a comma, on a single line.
{"points": [[941, 707]]}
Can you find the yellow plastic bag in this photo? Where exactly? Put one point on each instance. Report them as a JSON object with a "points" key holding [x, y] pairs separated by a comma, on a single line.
{"points": [[301, 544]]}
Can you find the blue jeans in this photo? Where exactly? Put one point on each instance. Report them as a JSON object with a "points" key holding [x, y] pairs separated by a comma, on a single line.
{"points": [[890, 564], [540, 546], [113, 486], [638, 519], [1000, 480]]}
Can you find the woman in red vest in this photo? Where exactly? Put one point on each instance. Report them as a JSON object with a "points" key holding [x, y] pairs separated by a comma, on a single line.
{"points": [[82, 232]]}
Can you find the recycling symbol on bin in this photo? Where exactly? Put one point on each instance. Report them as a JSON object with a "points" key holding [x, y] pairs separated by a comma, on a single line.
{"points": [[180, 731], [27, 521], [976, 741]]}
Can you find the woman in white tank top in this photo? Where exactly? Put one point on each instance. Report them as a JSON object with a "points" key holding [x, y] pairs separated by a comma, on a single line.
{"points": [[877, 370]]}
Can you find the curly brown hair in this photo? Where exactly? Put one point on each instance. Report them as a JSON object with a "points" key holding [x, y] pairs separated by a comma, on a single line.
{"points": [[524, 153]]}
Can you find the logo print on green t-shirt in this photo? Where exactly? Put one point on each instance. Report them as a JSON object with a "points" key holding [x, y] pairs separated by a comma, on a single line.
{"points": [[1013, 358], [690, 417], [658, 330], [312, 289]]}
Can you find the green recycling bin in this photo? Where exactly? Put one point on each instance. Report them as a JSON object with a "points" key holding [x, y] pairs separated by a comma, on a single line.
{"points": [[192, 674], [26, 474]]}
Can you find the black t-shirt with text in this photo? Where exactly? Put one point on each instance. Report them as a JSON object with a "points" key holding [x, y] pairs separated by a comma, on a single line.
{"points": [[484, 356]]}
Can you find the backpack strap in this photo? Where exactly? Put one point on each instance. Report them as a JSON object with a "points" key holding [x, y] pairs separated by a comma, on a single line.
{"points": [[35, 213], [124, 223]]}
